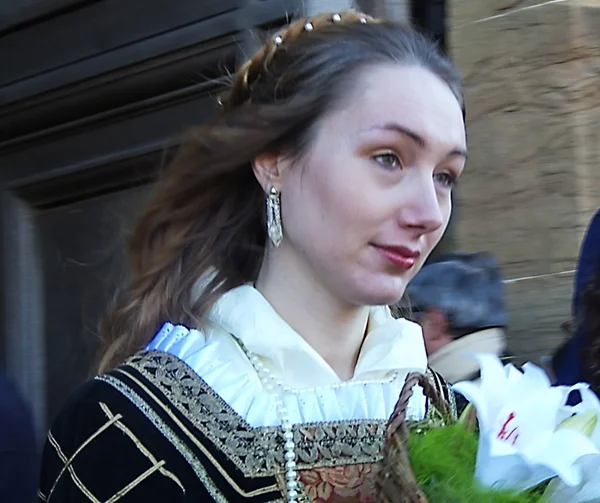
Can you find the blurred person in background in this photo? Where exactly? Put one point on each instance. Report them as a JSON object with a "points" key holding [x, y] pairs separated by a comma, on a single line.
{"points": [[578, 359], [18, 453], [590, 316], [457, 298]]}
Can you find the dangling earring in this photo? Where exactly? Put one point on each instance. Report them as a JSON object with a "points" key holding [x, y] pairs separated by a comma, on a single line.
{"points": [[274, 229]]}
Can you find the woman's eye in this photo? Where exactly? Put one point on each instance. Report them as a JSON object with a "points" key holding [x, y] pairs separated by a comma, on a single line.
{"points": [[388, 160], [446, 179]]}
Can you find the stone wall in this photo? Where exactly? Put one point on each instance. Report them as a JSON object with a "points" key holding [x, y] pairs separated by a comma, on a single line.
{"points": [[398, 10], [531, 72]]}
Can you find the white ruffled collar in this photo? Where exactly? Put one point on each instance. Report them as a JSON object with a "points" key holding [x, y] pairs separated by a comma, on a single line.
{"points": [[222, 367], [390, 344], [391, 350]]}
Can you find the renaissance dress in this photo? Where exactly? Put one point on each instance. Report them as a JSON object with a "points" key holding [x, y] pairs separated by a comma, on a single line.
{"points": [[189, 420]]}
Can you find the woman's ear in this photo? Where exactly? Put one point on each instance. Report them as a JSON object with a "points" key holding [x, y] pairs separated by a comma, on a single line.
{"points": [[267, 171]]}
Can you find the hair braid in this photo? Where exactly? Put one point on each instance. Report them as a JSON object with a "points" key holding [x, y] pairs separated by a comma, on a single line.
{"points": [[251, 71]]}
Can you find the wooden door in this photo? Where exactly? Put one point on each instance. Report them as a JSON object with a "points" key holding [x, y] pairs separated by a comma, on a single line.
{"points": [[92, 93]]}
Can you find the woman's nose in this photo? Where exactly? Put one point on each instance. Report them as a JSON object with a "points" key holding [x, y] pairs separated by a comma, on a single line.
{"points": [[422, 207]]}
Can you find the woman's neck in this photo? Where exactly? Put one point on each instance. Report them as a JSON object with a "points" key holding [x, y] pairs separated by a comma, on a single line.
{"points": [[333, 328]]}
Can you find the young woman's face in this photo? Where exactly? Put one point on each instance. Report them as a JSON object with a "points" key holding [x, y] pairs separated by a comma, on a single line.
{"points": [[364, 207]]}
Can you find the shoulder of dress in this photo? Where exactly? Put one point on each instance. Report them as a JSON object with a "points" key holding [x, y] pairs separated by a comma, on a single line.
{"points": [[184, 342], [86, 395], [112, 390], [90, 403], [94, 424], [172, 338]]}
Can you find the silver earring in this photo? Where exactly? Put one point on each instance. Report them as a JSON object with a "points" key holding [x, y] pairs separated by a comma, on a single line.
{"points": [[274, 228]]}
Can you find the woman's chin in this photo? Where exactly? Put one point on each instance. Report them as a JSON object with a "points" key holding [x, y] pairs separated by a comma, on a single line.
{"points": [[382, 293]]}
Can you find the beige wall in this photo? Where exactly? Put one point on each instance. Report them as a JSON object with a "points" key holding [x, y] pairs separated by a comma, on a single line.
{"points": [[398, 10], [532, 81]]}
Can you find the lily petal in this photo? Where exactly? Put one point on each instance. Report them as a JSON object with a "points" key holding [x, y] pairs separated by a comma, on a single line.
{"points": [[519, 445], [475, 395]]}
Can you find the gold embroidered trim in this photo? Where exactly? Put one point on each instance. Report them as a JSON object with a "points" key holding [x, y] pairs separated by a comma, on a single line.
{"points": [[113, 420], [160, 425], [301, 489], [197, 443], [68, 462], [135, 482], [444, 389], [257, 451], [174, 439], [69, 466], [142, 448], [453, 406]]}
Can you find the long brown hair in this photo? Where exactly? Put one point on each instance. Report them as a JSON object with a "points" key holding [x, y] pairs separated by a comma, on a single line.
{"points": [[207, 215]]}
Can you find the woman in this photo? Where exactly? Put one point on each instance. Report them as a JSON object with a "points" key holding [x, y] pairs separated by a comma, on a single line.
{"points": [[271, 365]]}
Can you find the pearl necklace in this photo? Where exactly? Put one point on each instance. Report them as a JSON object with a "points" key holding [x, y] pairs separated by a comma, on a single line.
{"points": [[274, 385]]}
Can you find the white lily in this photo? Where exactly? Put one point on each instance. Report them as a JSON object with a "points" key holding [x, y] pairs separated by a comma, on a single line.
{"points": [[586, 418], [519, 444]]}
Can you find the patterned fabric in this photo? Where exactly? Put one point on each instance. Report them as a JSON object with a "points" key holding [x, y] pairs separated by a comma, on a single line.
{"points": [[153, 430], [128, 436], [340, 484]]}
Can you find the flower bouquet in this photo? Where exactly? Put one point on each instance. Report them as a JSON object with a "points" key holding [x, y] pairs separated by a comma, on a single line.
{"points": [[518, 441]]}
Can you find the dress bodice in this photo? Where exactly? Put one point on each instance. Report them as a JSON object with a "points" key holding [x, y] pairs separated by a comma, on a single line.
{"points": [[339, 425]]}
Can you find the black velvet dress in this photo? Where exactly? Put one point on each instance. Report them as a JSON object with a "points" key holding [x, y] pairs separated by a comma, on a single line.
{"points": [[152, 430]]}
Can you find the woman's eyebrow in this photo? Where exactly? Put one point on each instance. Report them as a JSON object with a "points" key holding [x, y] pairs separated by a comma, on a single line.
{"points": [[418, 139]]}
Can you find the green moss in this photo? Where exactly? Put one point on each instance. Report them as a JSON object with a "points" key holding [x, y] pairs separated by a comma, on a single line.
{"points": [[446, 474]]}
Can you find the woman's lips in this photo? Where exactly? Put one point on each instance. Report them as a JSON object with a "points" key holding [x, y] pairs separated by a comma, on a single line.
{"points": [[400, 256]]}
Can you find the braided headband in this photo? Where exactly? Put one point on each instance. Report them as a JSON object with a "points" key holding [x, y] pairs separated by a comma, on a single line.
{"points": [[249, 72]]}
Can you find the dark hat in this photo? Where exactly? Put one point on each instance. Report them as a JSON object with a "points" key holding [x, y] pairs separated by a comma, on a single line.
{"points": [[466, 287]]}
